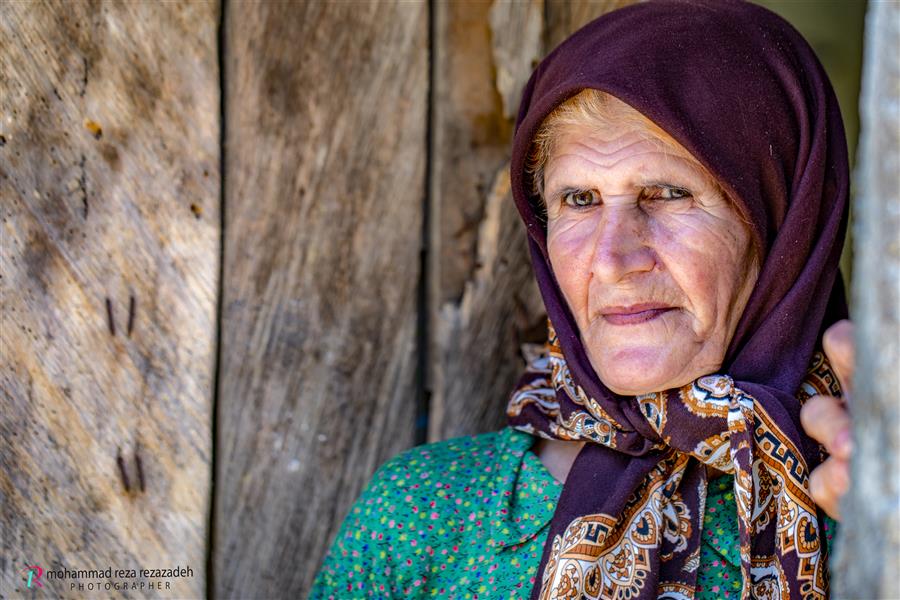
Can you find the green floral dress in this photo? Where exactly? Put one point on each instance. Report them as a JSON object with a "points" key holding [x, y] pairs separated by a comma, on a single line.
{"points": [[468, 517]]}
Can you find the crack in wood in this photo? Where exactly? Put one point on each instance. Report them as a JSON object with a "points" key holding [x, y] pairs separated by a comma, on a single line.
{"points": [[84, 77]]}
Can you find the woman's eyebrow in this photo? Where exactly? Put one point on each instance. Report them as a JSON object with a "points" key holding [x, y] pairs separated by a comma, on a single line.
{"points": [[556, 189], [675, 172], [672, 175], [663, 182]]}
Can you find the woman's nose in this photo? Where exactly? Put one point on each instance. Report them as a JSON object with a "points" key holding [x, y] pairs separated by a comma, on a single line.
{"points": [[621, 245]]}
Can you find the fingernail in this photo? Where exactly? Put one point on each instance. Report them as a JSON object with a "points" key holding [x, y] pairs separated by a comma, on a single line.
{"points": [[843, 443]]}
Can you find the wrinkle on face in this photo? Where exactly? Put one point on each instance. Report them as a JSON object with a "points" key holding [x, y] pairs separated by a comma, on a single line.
{"points": [[694, 255]]}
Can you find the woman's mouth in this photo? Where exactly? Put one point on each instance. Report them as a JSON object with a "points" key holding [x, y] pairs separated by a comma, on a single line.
{"points": [[634, 314]]}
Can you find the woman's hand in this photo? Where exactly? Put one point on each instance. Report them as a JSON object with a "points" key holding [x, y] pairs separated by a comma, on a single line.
{"points": [[827, 420]]}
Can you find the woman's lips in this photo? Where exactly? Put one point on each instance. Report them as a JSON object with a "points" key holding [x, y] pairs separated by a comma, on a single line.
{"points": [[634, 314]]}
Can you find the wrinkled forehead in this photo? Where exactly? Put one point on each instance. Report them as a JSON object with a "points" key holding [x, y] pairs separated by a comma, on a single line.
{"points": [[630, 148], [606, 142]]}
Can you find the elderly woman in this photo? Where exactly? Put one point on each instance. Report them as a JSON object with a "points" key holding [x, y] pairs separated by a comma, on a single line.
{"points": [[681, 171]]}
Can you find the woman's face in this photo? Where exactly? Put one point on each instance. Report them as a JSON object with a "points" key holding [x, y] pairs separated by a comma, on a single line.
{"points": [[654, 262]]}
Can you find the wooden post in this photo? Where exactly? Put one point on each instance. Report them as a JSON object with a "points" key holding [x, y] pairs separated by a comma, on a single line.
{"points": [[867, 561], [109, 196], [325, 148], [479, 269]]}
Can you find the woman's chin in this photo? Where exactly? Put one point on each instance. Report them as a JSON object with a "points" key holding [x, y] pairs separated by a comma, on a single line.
{"points": [[636, 371]]}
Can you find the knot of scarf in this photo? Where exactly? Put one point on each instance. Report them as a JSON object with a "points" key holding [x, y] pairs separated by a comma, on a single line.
{"points": [[645, 483]]}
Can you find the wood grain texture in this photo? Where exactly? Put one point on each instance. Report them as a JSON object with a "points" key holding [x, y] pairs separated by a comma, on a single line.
{"points": [[325, 159], [471, 338], [480, 337], [108, 137], [517, 29], [565, 17], [470, 141]]}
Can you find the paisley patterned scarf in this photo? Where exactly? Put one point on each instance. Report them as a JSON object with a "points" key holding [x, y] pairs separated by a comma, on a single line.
{"points": [[742, 91], [648, 542]]}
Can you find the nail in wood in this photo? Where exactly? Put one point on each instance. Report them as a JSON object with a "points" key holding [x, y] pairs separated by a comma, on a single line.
{"points": [[109, 314], [122, 471], [130, 315]]}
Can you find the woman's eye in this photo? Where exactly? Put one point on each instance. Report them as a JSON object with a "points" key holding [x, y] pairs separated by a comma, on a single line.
{"points": [[580, 198], [668, 192]]}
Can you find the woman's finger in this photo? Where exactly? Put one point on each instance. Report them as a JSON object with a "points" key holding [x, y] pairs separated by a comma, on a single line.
{"points": [[840, 350], [827, 421], [828, 483]]}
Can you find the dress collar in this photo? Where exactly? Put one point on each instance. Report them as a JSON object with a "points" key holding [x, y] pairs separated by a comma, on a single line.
{"points": [[525, 493]]}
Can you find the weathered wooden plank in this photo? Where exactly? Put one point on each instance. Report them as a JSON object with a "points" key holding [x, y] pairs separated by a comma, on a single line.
{"points": [[564, 17], [326, 107], [517, 30], [109, 189], [469, 140], [480, 336], [474, 342], [868, 554]]}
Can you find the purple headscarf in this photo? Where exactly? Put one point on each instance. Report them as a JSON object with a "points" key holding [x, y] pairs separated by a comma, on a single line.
{"points": [[743, 92]]}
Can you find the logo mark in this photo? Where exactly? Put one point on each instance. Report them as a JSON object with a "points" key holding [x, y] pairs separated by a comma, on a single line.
{"points": [[34, 575]]}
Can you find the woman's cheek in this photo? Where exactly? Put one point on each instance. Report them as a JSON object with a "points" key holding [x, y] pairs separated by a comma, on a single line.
{"points": [[715, 269], [568, 244], [694, 260]]}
